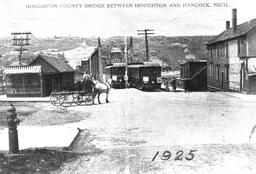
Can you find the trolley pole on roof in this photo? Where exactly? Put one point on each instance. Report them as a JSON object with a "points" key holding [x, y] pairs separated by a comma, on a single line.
{"points": [[146, 33], [21, 40]]}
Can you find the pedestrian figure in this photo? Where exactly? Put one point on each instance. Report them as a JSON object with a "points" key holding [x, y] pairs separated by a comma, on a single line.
{"points": [[167, 84], [87, 84], [174, 84]]}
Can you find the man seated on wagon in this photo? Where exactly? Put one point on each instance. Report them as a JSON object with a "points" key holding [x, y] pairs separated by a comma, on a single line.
{"points": [[87, 84]]}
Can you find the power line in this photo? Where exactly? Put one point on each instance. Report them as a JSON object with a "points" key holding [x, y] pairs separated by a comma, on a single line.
{"points": [[21, 39], [146, 33]]}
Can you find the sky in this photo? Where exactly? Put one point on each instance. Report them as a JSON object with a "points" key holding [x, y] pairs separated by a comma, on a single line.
{"points": [[15, 16]]}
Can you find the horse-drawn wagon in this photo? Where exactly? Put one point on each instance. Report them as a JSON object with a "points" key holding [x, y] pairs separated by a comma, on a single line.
{"points": [[83, 92]]}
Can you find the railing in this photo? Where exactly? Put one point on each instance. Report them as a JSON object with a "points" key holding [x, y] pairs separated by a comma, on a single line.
{"points": [[23, 88], [2, 88]]}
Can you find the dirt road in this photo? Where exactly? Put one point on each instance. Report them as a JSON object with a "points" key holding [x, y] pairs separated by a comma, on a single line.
{"points": [[137, 125]]}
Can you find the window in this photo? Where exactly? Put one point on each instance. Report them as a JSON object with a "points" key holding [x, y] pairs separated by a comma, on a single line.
{"points": [[241, 47], [226, 73], [211, 69], [218, 51], [226, 50], [217, 72], [238, 47], [222, 50], [210, 53]]}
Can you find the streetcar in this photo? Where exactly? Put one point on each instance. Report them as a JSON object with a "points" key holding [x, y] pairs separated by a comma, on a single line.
{"points": [[144, 75], [116, 72]]}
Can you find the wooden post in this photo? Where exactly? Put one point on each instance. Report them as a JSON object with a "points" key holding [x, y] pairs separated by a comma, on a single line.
{"points": [[23, 83], [131, 48], [90, 66], [41, 84]]}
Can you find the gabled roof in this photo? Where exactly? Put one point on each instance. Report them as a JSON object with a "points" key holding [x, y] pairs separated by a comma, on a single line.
{"points": [[75, 56], [228, 34], [58, 63]]}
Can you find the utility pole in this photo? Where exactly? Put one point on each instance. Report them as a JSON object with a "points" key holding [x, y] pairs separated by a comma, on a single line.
{"points": [[146, 32], [21, 40], [131, 49], [100, 61], [126, 62]]}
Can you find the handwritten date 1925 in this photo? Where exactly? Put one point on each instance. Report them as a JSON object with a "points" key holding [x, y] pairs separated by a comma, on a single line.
{"points": [[179, 156]]}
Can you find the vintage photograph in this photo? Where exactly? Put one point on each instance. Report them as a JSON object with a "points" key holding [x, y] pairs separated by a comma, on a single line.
{"points": [[127, 87]]}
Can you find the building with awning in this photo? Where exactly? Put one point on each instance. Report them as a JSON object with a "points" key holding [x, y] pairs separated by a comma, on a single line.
{"points": [[248, 73], [42, 76], [23, 80]]}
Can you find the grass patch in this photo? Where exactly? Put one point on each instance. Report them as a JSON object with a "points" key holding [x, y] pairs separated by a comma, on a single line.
{"points": [[32, 161], [54, 117], [41, 114]]}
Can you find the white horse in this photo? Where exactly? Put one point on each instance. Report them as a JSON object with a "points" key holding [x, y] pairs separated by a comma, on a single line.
{"points": [[100, 88]]}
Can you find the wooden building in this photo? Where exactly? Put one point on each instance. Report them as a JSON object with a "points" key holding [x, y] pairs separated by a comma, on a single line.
{"points": [[231, 59], [92, 64], [23, 81], [193, 75], [116, 55], [43, 75]]}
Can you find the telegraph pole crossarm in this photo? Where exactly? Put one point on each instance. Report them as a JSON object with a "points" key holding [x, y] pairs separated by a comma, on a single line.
{"points": [[21, 41], [146, 33]]}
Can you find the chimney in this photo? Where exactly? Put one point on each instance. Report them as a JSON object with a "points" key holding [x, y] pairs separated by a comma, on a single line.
{"points": [[227, 25], [234, 19]]}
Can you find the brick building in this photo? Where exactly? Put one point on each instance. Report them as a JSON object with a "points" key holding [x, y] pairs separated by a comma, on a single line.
{"points": [[232, 54]]}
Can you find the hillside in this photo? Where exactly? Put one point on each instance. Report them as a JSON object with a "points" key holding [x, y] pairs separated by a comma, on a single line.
{"points": [[172, 50]]}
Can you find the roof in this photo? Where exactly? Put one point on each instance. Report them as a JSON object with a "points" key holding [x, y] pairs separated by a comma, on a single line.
{"points": [[228, 34], [143, 64], [116, 50], [75, 56], [159, 61], [196, 61], [22, 69], [115, 65], [58, 63]]}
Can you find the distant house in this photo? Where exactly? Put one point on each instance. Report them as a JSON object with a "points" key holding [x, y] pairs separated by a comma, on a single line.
{"points": [[92, 66], [232, 58], [116, 55], [77, 55], [164, 66], [43, 75], [193, 75]]}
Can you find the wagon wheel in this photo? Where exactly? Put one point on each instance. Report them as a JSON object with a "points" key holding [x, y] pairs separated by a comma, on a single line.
{"points": [[65, 99], [88, 98], [54, 98], [77, 98]]}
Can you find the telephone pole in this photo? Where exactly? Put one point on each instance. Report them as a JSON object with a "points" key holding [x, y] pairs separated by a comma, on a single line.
{"points": [[131, 51], [21, 40], [100, 61], [146, 32]]}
